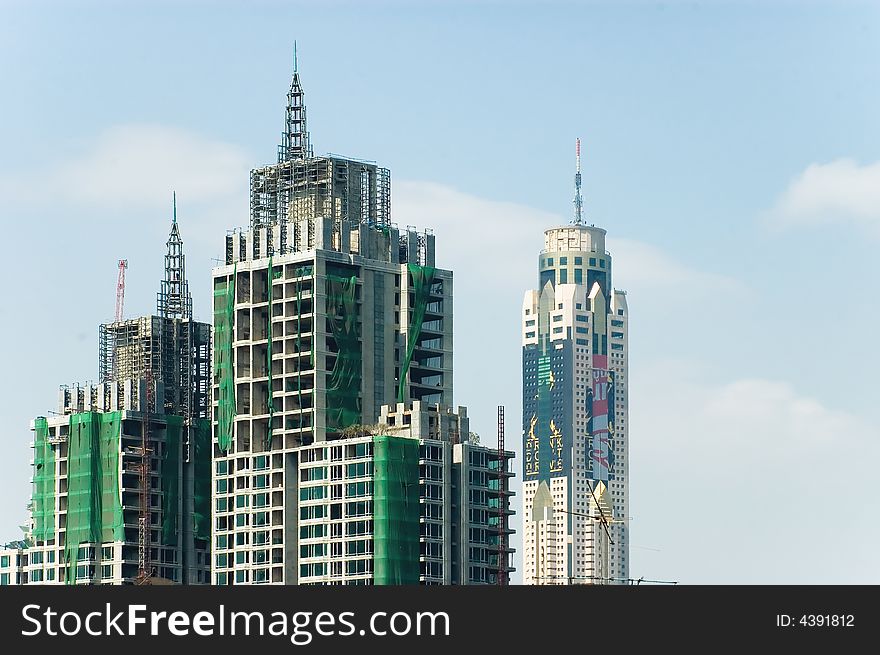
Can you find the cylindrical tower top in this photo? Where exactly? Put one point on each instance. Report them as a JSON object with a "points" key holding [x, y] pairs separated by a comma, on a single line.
{"points": [[586, 238]]}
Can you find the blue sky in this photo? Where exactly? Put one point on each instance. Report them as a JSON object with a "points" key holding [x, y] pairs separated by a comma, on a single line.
{"points": [[732, 150]]}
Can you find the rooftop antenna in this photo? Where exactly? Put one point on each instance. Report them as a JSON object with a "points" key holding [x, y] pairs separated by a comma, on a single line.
{"points": [[294, 56], [578, 199]]}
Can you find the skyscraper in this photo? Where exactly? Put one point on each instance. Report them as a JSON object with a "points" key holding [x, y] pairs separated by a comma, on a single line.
{"points": [[149, 409], [324, 312], [575, 445]]}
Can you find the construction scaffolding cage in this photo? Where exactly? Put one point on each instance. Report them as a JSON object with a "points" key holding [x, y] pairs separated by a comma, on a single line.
{"points": [[176, 352], [347, 190]]}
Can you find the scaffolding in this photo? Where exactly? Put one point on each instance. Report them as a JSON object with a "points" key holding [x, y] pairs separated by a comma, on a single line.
{"points": [[302, 187]]}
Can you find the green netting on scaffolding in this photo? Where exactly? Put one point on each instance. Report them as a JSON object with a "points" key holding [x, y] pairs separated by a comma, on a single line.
{"points": [[44, 482], [395, 510], [422, 277], [201, 478], [94, 505], [224, 307], [344, 383], [171, 479]]}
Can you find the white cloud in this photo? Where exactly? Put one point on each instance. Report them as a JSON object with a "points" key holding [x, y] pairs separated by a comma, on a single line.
{"points": [[498, 242], [128, 174], [841, 190], [641, 266], [736, 481], [141, 164]]}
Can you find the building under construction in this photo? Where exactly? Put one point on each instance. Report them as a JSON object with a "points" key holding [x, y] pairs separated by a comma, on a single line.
{"points": [[324, 312], [121, 484]]}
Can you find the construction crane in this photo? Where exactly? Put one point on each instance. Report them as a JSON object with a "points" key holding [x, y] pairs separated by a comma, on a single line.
{"points": [[120, 289]]}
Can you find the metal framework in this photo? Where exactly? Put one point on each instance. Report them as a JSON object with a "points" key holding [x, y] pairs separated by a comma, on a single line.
{"points": [[120, 289], [286, 195], [174, 299]]}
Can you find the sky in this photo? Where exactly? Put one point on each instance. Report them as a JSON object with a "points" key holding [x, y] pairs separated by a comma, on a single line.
{"points": [[731, 150]]}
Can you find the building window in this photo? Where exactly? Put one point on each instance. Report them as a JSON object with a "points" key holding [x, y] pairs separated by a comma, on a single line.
{"points": [[563, 261], [578, 261]]}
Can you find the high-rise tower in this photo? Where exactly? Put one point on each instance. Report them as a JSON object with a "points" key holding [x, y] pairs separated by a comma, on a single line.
{"points": [[575, 442], [122, 468], [335, 440]]}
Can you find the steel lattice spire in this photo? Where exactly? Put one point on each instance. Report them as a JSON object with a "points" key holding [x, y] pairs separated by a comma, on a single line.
{"points": [[174, 300], [295, 138]]}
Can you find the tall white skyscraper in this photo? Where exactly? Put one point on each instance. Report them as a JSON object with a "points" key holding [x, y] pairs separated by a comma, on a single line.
{"points": [[575, 445]]}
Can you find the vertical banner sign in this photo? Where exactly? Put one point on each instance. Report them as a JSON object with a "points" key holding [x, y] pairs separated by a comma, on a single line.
{"points": [[600, 419]]}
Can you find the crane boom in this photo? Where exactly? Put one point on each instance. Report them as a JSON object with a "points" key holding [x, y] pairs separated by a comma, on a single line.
{"points": [[120, 289]]}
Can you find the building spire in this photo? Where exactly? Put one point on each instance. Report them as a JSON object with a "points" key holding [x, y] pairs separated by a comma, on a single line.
{"points": [[295, 138], [173, 299], [578, 198]]}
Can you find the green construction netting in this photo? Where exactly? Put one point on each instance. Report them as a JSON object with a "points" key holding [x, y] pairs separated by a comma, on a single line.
{"points": [[422, 277], [344, 383], [224, 307], [395, 510], [94, 506], [44, 482], [202, 478], [171, 480]]}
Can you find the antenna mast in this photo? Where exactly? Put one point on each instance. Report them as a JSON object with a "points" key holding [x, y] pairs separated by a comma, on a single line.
{"points": [[578, 199]]}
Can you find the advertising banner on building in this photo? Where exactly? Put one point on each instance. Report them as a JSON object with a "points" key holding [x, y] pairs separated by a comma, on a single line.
{"points": [[547, 415], [600, 419]]}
